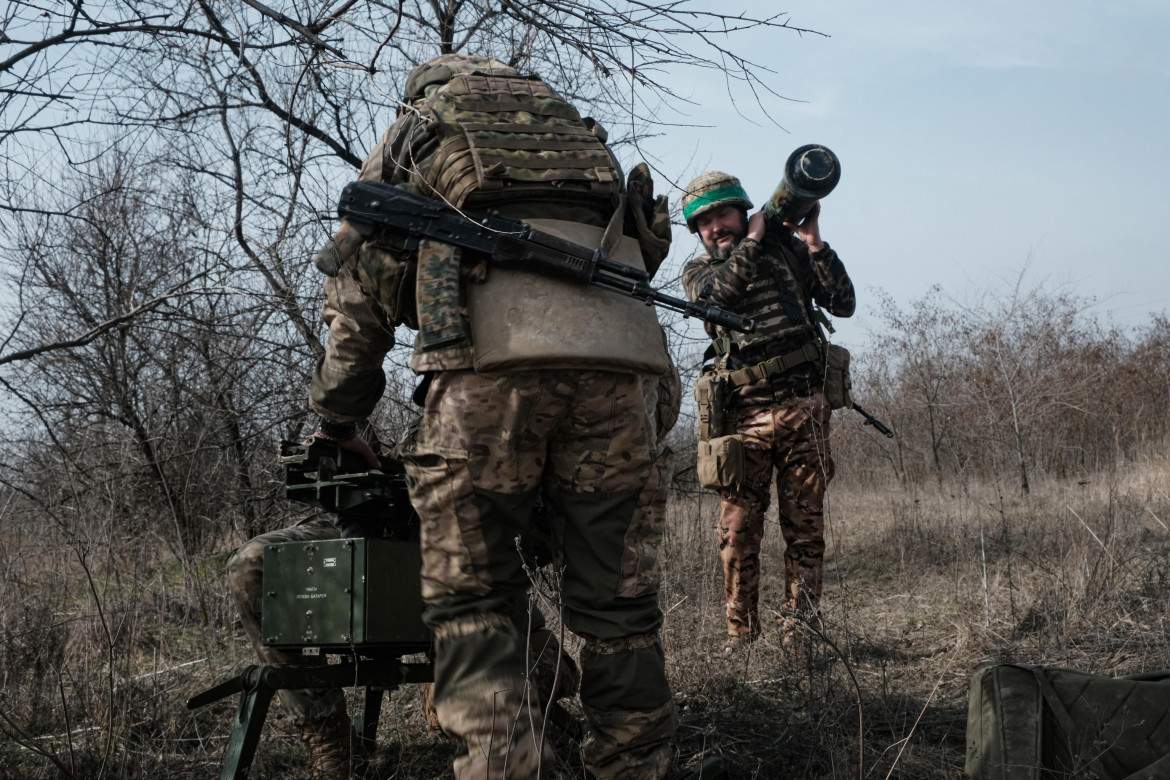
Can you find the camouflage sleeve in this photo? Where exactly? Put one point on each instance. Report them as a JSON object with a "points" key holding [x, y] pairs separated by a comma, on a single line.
{"points": [[348, 380], [347, 240], [722, 284], [372, 165], [831, 286]]}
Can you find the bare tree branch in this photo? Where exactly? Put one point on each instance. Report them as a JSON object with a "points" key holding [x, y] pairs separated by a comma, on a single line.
{"points": [[102, 327]]}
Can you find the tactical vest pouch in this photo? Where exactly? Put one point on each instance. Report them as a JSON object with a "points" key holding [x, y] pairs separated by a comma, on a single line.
{"points": [[711, 392], [720, 463], [1037, 723], [838, 384], [650, 217], [382, 273], [514, 137], [522, 321]]}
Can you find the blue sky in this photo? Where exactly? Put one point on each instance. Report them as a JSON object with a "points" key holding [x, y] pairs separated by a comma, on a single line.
{"points": [[977, 140]]}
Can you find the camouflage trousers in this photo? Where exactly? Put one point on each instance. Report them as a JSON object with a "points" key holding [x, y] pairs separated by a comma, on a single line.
{"points": [[246, 580], [790, 436], [490, 448]]}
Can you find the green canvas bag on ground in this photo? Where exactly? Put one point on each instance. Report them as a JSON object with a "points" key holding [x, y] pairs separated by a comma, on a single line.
{"points": [[1037, 723]]}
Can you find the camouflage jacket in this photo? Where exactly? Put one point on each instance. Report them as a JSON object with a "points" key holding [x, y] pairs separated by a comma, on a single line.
{"points": [[773, 282], [348, 380]]}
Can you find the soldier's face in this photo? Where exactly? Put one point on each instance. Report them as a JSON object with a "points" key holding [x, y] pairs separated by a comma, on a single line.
{"points": [[721, 229]]}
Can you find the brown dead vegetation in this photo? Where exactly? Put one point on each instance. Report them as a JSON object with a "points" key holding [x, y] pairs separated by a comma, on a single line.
{"points": [[923, 585], [113, 609]]}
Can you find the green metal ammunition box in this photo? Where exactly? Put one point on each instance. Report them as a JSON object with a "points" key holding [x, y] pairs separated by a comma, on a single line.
{"points": [[343, 594]]}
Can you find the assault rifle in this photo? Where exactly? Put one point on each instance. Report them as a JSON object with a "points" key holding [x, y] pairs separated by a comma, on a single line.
{"points": [[875, 422], [511, 244]]}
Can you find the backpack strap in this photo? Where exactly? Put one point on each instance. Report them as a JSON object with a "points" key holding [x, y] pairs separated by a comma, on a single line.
{"points": [[1064, 719], [820, 321], [613, 231]]}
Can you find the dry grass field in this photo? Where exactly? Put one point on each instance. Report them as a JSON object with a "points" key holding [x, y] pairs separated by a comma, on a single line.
{"points": [[104, 643], [922, 588]]}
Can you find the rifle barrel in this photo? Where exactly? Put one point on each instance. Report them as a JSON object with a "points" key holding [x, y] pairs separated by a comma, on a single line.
{"points": [[875, 422]]}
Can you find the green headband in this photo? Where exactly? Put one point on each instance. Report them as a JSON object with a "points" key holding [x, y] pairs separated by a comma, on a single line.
{"points": [[713, 197]]}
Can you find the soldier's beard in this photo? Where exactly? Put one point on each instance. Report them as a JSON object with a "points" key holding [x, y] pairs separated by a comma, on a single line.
{"points": [[721, 253]]}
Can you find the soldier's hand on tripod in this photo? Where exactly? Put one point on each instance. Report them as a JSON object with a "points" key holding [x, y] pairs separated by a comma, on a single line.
{"points": [[358, 444]]}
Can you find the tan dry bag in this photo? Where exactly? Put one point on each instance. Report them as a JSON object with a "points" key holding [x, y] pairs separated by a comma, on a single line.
{"points": [[720, 463]]}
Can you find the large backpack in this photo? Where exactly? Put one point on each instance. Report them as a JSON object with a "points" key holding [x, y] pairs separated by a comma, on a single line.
{"points": [[477, 134], [1040, 723], [482, 133]]}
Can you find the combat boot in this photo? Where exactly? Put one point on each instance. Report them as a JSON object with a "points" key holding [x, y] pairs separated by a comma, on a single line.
{"points": [[335, 748]]}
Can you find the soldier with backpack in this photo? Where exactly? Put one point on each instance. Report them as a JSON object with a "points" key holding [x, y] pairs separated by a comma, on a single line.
{"points": [[532, 390]]}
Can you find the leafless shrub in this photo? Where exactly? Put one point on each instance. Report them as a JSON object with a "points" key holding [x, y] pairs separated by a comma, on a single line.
{"points": [[1022, 384]]}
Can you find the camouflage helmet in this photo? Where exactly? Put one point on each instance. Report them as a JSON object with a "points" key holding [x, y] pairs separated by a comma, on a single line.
{"points": [[710, 190], [445, 67]]}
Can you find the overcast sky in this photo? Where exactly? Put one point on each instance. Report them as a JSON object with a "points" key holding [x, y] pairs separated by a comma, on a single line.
{"points": [[976, 139]]}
